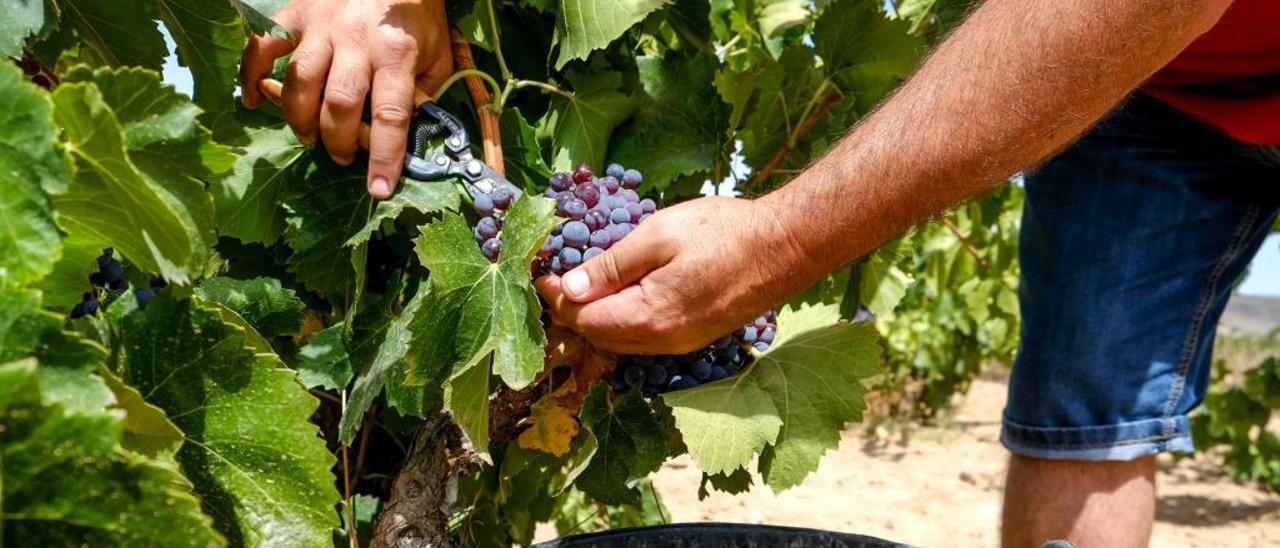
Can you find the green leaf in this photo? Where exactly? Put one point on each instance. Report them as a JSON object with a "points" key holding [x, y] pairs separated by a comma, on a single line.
{"points": [[521, 153], [631, 445], [210, 37], [137, 161], [323, 211], [420, 196], [586, 25], [738, 481], [28, 137], [466, 396], [30, 165], [118, 33], [271, 309], [480, 307], [866, 53], [248, 198], [381, 339], [789, 405], [66, 483], [251, 450], [20, 20], [580, 126], [147, 430], [777, 16], [66, 360], [324, 361], [882, 284], [679, 128], [257, 16]]}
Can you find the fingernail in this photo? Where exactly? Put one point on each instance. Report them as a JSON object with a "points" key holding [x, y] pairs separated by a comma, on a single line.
{"points": [[307, 140], [576, 283], [379, 188], [343, 160]]}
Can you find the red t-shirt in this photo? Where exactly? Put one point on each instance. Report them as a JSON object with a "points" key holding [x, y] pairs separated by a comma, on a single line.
{"points": [[1229, 77]]}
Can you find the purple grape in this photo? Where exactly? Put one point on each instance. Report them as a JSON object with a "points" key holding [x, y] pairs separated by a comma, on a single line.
{"points": [[557, 242], [550, 193], [681, 382], [600, 239], [631, 179], [575, 209], [655, 375], [487, 228], [700, 370], [761, 323], [144, 296], [502, 197], [589, 194], [576, 234], [491, 248], [610, 184], [570, 258], [484, 205], [630, 197], [582, 174], [767, 335], [619, 216], [555, 265], [618, 232], [648, 206], [615, 170], [561, 181], [591, 253], [596, 219], [634, 375], [749, 334], [761, 346], [634, 211], [717, 373]]}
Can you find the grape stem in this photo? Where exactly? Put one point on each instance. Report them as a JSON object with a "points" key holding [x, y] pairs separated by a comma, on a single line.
{"points": [[968, 246], [806, 124], [453, 79], [497, 42]]}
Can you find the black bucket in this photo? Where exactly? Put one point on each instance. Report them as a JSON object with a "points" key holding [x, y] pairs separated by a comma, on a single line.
{"points": [[718, 535]]}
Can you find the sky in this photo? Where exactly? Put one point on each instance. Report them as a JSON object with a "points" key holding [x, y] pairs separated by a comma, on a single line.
{"points": [[1264, 271]]}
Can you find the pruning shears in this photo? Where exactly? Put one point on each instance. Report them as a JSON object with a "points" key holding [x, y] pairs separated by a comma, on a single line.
{"points": [[430, 122]]}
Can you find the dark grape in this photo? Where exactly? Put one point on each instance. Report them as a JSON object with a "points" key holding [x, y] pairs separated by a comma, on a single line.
{"points": [[106, 258], [575, 209], [630, 197], [119, 286], [615, 170], [648, 206], [596, 219], [634, 375], [600, 239], [548, 247], [619, 216], [575, 234], [591, 252], [761, 346], [582, 174], [634, 211], [767, 335], [96, 279], [484, 205], [717, 373], [487, 228], [681, 382], [631, 179], [749, 334], [655, 374], [589, 194], [570, 257], [144, 296], [618, 232], [610, 185], [555, 264], [503, 196], [491, 248], [700, 370], [157, 282], [561, 181]]}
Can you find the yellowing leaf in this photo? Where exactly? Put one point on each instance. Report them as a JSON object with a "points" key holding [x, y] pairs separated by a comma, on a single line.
{"points": [[552, 429]]}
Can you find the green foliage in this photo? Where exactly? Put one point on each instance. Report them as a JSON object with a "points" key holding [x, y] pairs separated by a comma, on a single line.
{"points": [[1236, 414]]}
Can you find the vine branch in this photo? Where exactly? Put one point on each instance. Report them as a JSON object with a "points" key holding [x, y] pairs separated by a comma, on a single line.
{"points": [[968, 246], [803, 128]]}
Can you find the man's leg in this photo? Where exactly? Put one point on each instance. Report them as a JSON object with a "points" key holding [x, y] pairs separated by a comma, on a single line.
{"points": [[1131, 242], [1105, 503]]}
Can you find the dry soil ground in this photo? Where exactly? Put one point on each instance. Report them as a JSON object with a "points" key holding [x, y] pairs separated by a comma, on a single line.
{"points": [[941, 486]]}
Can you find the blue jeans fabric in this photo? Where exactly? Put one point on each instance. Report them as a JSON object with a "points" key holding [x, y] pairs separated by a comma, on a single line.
{"points": [[1131, 242]]}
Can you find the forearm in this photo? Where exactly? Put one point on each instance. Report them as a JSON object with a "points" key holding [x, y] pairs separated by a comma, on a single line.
{"points": [[1017, 81]]}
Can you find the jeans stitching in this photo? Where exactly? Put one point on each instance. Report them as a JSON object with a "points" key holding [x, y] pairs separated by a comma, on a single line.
{"points": [[1018, 432], [1100, 445], [1197, 321]]}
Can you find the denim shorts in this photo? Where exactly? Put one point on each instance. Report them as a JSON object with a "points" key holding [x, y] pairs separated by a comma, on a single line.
{"points": [[1132, 240]]}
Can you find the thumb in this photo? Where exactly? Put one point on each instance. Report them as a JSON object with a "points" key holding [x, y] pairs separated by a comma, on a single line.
{"points": [[617, 268]]}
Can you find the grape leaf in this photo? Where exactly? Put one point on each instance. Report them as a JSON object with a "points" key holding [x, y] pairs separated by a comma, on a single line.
{"points": [[149, 206], [210, 37], [20, 19], [248, 198], [480, 307], [257, 16], [118, 33], [520, 151], [30, 165], [585, 25], [882, 284], [551, 428], [388, 342], [420, 196], [324, 361], [738, 481], [466, 397], [631, 445], [147, 430], [66, 360], [246, 419], [323, 211], [679, 127], [790, 405], [776, 16], [864, 52], [271, 309], [580, 126], [66, 483]]}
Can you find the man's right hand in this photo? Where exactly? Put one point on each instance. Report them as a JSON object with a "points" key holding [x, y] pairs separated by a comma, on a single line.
{"points": [[345, 50]]}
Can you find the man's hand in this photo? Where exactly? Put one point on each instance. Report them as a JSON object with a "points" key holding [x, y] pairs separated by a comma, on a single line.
{"points": [[347, 49], [685, 277]]}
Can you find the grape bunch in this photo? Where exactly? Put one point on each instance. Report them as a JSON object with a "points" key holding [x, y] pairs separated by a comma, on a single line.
{"points": [[724, 358], [492, 207], [599, 212], [108, 283]]}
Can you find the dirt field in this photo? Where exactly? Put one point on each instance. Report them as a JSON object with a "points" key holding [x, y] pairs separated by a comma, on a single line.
{"points": [[942, 487]]}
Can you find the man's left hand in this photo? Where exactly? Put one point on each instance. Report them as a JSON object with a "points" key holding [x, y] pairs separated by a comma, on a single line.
{"points": [[685, 277]]}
